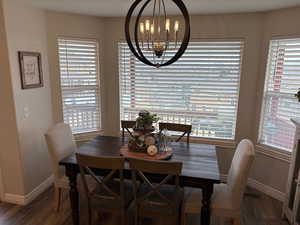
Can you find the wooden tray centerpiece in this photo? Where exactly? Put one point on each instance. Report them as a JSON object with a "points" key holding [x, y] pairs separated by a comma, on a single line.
{"points": [[144, 143]]}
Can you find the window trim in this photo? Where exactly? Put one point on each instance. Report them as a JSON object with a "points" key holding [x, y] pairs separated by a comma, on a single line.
{"points": [[214, 141], [79, 136], [274, 152]]}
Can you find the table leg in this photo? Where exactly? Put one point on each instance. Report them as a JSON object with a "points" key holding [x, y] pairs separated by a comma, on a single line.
{"points": [[207, 192], [71, 173]]}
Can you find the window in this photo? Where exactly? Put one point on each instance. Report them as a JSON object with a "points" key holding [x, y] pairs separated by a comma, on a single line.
{"points": [[279, 103], [201, 89], [80, 86]]}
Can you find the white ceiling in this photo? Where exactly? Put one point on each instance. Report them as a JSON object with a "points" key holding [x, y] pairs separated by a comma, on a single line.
{"points": [[120, 7]]}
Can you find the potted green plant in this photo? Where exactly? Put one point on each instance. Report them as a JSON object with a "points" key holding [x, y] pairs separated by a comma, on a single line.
{"points": [[146, 119]]}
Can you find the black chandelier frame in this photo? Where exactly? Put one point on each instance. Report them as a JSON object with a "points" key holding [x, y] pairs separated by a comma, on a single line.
{"points": [[137, 51]]}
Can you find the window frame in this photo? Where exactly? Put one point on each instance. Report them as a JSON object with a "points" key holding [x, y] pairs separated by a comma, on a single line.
{"points": [[226, 143], [268, 150], [83, 136]]}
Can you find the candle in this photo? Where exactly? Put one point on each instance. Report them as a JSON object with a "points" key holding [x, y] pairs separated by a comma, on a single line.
{"points": [[168, 25], [147, 25], [152, 29], [176, 26], [142, 28]]}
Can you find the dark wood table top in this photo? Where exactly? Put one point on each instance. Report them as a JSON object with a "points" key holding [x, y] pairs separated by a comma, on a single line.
{"points": [[199, 160]]}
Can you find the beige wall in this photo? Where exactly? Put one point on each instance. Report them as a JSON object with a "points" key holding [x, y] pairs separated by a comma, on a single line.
{"points": [[26, 31], [10, 161], [71, 26]]}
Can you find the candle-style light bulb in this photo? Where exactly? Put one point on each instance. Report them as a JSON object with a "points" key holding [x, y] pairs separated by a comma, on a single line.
{"points": [[142, 31], [176, 26], [147, 25], [168, 25], [142, 28], [152, 29]]}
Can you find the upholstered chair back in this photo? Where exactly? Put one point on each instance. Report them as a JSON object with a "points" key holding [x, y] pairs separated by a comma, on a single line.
{"points": [[60, 143], [239, 171]]}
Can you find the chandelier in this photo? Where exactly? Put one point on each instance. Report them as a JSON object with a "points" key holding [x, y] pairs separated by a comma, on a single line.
{"points": [[157, 39]]}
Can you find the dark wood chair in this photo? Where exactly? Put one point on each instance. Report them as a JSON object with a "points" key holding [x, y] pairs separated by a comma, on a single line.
{"points": [[127, 125], [186, 129], [156, 199], [110, 195]]}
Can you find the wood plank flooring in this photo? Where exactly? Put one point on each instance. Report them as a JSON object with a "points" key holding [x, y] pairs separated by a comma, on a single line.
{"points": [[258, 209]]}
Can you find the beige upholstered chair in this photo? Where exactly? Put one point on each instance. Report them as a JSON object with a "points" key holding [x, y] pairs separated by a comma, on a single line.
{"points": [[60, 143], [227, 198]]}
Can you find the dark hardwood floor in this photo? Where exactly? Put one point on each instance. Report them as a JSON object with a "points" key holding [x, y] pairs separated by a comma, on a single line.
{"points": [[258, 209]]}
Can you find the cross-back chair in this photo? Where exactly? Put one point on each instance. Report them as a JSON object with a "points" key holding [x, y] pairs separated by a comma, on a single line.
{"points": [[110, 194], [154, 199], [186, 129], [127, 125]]}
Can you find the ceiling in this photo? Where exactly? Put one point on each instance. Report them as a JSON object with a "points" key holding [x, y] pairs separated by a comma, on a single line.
{"points": [[120, 7]]}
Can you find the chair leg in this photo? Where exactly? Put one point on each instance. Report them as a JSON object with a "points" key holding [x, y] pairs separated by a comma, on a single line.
{"points": [[123, 217], [57, 198], [236, 221], [183, 215], [90, 213]]}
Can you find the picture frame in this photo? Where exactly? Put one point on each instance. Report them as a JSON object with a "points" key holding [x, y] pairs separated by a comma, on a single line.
{"points": [[30, 69]]}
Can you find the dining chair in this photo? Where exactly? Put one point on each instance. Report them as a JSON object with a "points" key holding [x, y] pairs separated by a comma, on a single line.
{"points": [[156, 199], [111, 194], [186, 129], [60, 143], [127, 125], [227, 198]]}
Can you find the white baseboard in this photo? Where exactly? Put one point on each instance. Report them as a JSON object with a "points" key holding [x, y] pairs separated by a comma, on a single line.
{"points": [[270, 191], [26, 199], [274, 193]]}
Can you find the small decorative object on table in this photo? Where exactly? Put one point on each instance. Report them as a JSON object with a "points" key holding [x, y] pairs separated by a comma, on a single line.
{"points": [[143, 135], [146, 144]]}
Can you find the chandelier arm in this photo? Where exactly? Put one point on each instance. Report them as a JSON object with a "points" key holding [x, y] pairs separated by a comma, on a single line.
{"points": [[153, 22], [127, 32], [187, 34], [167, 35], [140, 52]]}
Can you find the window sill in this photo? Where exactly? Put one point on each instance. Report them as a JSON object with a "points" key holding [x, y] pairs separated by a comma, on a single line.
{"points": [[273, 152], [223, 143], [80, 137]]}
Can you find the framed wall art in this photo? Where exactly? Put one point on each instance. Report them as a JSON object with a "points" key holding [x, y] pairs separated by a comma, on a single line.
{"points": [[31, 69]]}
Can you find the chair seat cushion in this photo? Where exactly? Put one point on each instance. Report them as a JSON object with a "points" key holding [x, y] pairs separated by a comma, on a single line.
{"points": [[154, 203], [221, 201], [104, 199]]}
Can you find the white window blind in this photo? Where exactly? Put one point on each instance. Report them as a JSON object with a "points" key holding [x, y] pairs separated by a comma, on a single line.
{"points": [[200, 89], [280, 105], [80, 86]]}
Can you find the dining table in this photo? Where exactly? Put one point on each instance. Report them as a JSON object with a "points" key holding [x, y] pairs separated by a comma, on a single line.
{"points": [[199, 168]]}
